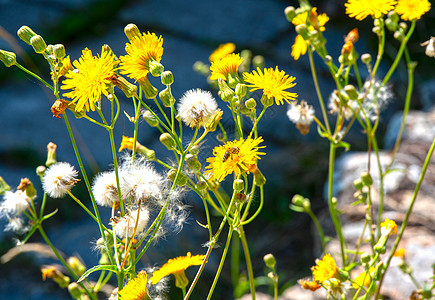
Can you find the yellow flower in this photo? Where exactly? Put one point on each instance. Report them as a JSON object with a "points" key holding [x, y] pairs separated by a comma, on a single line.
{"points": [[363, 279], [227, 65], [177, 266], [142, 51], [360, 9], [126, 143], [325, 269], [389, 226], [299, 47], [400, 253], [412, 9], [300, 19], [236, 156], [91, 80], [273, 83], [135, 289], [221, 51]]}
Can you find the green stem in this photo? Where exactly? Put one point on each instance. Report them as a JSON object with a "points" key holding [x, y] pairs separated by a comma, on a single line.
{"points": [[248, 260], [319, 229], [36, 76], [115, 166]]}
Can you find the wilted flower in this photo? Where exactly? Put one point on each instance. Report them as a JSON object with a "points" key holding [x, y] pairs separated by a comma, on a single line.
{"points": [[377, 98], [430, 47], [59, 179], [126, 226], [196, 107], [302, 115], [348, 108]]}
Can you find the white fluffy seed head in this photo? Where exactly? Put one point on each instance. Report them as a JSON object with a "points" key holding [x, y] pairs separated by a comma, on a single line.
{"points": [[16, 224], [59, 179], [105, 189], [196, 107], [347, 109], [14, 203], [301, 113], [125, 226], [377, 98]]}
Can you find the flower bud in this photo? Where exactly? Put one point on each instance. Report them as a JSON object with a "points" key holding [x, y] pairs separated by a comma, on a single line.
{"points": [[303, 31], [391, 26], [182, 179], [75, 290], [238, 185], [148, 89], [131, 31], [358, 184], [298, 200], [27, 186], [366, 58], [258, 62], [129, 89], [225, 92], [8, 58], [366, 178], [240, 198], [3, 186], [168, 141], [259, 178], [403, 25], [193, 163], [233, 80], [59, 51], [77, 266], [40, 170], [166, 97], [377, 30], [290, 13], [38, 44], [250, 103], [51, 154], [351, 91], [25, 34], [241, 90], [167, 78], [145, 152], [156, 68], [201, 185], [269, 260], [398, 36], [266, 100], [213, 121], [150, 118], [365, 258]]}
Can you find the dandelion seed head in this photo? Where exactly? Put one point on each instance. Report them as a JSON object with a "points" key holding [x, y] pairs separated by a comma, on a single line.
{"points": [[59, 179], [125, 226], [196, 107], [14, 203], [105, 190]]}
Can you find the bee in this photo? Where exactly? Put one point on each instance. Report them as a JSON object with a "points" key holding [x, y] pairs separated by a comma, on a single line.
{"points": [[232, 150]]}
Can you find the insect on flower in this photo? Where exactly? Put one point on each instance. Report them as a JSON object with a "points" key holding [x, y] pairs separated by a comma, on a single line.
{"points": [[232, 150]]}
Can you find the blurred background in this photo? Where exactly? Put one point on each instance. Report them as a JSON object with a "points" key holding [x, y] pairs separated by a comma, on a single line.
{"points": [[191, 30]]}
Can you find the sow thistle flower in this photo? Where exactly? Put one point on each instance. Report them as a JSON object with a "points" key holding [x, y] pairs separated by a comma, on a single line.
{"points": [[326, 273], [221, 51], [226, 67], [142, 52], [360, 9], [135, 289], [237, 156], [177, 266], [273, 82], [412, 9], [196, 107], [91, 79]]}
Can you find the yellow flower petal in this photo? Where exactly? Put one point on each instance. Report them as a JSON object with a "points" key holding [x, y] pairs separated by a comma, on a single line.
{"points": [[225, 66], [325, 269], [360, 9], [412, 9], [135, 289]]}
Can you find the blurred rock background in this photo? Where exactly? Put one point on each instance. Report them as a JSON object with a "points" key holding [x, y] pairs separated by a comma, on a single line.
{"points": [[191, 30]]}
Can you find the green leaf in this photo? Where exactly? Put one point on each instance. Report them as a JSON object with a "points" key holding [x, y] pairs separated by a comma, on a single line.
{"points": [[111, 268], [50, 215]]}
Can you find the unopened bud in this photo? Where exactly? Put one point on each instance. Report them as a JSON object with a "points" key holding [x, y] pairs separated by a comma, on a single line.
{"points": [[51, 154], [403, 25], [38, 44], [168, 141], [59, 51], [266, 100], [225, 92], [25, 34], [259, 178], [290, 13], [377, 30], [398, 36], [129, 89], [365, 258], [241, 90], [193, 163], [148, 89], [75, 290], [351, 91], [366, 178], [27, 186], [238, 185], [167, 78], [150, 118], [145, 152], [269, 260], [298, 200], [303, 31], [391, 26], [77, 266], [166, 97], [233, 80], [182, 179], [366, 58], [258, 61], [131, 31], [40, 170], [201, 185], [8, 58], [250, 103], [213, 121], [156, 68], [358, 184]]}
